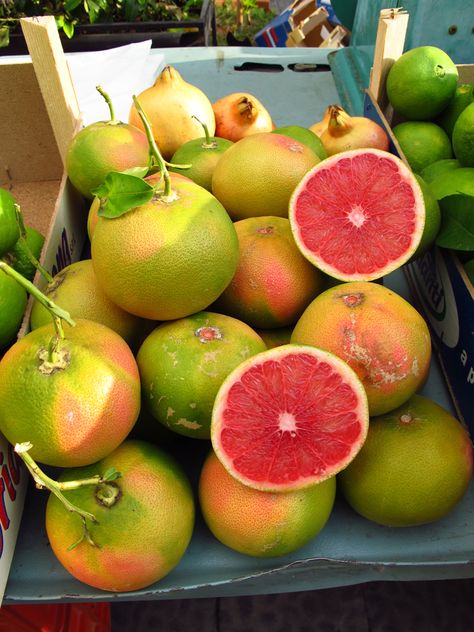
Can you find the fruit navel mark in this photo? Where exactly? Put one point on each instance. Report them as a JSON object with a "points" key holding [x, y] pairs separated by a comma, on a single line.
{"points": [[208, 333], [352, 300]]}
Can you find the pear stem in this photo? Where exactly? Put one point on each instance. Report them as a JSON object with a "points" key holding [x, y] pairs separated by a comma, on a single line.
{"points": [[108, 100]]}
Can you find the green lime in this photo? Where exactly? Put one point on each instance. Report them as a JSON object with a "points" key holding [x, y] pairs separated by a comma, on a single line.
{"points": [[13, 300], [435, 169], [421, 82], [463, 96], [203, 155], [432, 219], [9, 229], [463, 137], [423, 143], [17, 257], [305, 136]]}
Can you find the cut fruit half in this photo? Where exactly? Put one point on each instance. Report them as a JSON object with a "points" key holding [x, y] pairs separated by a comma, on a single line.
{"points": [[288, 418], [358, 215]]}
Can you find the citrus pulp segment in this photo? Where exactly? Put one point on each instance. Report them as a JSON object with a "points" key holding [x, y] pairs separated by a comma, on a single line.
{"points": [[288, 418], [358, 215]]}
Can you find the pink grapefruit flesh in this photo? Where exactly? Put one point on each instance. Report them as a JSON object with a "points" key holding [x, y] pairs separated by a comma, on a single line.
{"points": [[358, 215], [288, 418]]}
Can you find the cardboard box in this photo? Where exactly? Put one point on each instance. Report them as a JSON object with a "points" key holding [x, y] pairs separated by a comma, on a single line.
{"points": [[440, 287], [275, 33], [37, 117]]}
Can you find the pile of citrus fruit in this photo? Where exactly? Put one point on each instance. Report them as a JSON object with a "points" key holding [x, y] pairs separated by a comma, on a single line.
{"points": [[232, 313]]}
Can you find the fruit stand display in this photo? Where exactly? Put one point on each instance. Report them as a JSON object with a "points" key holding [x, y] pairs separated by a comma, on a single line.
{"points": [[340, 547]]}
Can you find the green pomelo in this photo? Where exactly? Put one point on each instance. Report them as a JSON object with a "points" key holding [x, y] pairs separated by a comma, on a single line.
{"points": [[414, 467], [183, 363], [305, 136], [203, 155]]}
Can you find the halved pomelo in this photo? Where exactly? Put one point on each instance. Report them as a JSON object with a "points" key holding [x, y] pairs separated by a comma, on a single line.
{"points": [[358, 215], [288, 418]]}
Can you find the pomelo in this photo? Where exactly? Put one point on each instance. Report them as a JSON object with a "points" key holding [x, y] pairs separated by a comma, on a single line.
{"points": [[414, 467], [75, 399], [9, 228], [377, 332], [422, 143], [304, 135], [358, 215], [145, 519], [261, 524], [18, 256], [75, 289], [258, 173], [288, 418], [437, 168], [273, 282], [182, 364], [168, 258]]}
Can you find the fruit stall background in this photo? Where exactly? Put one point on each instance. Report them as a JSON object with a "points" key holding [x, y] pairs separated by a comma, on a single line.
{"points": [[407, 556]]}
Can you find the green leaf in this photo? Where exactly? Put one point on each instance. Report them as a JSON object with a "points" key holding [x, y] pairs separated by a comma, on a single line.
{"points": [[139, 172], [457, 222], [70, 5], [4, 36], [68, 28], [120, 192]]}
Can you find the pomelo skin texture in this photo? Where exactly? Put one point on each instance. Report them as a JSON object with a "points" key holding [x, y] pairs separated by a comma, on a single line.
{"points": [[142, 536], [414, 467], [273, 282], [166, 260], [75, 289], [182, 364], [377, 332], [257, 175], [102, 147], [261, 524], [73, 415], [288, 418], [358, 215]]}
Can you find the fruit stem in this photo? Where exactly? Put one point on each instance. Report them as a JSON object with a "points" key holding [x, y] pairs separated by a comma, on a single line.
{"points": [[246, 108], [108, 100], [339, 121], [208, 143], [31, 258], [55, 311], [42, 480], [164, 174]]}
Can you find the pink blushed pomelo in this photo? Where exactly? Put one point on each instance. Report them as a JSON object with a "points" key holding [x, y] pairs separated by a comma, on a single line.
{"points": [[358, 215], [288, 418]]}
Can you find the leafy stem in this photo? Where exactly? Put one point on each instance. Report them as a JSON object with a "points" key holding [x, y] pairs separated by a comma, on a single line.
{"points": [[154, 151], [32, 259], [108, 100], [42, 480]]}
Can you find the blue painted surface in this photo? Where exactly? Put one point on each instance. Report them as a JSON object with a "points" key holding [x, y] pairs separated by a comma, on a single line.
{"points": [[350, 549]]}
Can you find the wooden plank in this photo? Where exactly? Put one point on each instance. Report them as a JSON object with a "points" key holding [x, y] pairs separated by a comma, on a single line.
{"points": [[389, 45], [54, 79]]}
